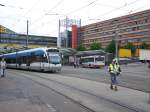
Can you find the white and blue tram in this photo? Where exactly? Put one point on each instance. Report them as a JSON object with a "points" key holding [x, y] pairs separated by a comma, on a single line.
{"points": [[93, 61], [41, 59]]}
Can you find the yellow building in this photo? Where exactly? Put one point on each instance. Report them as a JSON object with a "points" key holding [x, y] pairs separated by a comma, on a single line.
{"points": [[125, 53]]}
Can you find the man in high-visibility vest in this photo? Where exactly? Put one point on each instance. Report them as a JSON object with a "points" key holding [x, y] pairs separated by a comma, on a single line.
{"points": [[114, 70]]}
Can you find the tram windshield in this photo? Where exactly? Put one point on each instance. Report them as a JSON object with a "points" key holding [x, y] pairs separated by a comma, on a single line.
{"points": [[54, 59]]}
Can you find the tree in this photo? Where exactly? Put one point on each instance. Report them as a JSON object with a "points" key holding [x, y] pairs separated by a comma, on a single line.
{"points": [[111, 47], [144, 46], [81, 48], [131, 47], [95, 46]]}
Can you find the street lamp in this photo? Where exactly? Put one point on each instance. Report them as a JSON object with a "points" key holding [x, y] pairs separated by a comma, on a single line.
{"points": [[116, 40], [27, 37], [2, 5]]}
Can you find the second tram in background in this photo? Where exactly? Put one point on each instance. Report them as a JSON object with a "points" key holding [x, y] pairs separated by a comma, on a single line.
{"points": [[94, 61], [41, 59]]}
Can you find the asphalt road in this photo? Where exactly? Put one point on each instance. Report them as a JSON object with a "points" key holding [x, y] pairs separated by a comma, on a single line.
{"points": [[134, 76], [19, 94], [63, 97], [53, 96]]}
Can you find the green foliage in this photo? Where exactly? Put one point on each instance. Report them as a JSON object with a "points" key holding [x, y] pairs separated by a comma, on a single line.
{"points": [[95, 46], [111, 47], [144, 46], [81, 48]]}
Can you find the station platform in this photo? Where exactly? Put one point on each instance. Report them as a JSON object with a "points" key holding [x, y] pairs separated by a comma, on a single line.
{"points": [[11, 99]]}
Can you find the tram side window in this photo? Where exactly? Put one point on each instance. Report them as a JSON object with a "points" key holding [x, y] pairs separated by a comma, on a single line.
{"points": [[91, 59], [38, 58], [86, 60], [35, 58], [23, 59], [11, 60], [19, 61]]}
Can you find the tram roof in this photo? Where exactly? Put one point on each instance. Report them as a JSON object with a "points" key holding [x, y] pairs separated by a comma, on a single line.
{"points": [[25, 52], [91, 52]]}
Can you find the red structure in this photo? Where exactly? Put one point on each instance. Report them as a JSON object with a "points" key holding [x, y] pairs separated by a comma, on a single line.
{"points": [[74, 36]]}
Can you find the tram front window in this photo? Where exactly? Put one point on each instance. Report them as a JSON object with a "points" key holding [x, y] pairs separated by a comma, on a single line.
{"points": [[55, 59]]}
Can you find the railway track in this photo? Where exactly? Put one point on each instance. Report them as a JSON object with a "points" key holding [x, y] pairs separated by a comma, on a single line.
{"points": [[33, 76]]}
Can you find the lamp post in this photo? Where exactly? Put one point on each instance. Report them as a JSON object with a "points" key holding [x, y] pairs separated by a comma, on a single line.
{"points": [[116, 47], [0, 33], [66, 32], [2, 5], [27, 34], [116, 40]]}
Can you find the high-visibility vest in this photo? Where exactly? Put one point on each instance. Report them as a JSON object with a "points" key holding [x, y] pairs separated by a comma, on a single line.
{"points": [[118, 68], [112, 68]]}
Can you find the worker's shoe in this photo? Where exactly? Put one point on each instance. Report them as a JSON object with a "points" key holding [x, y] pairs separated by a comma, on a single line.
{"points": [[111, 87], [116, 89], [2, 75]]}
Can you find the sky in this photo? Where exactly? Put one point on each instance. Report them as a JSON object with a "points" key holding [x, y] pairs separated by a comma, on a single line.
{"points": [[43, 15]]}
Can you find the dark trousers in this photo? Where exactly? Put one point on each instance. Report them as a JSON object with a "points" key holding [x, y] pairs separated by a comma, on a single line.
{"points": [[2, 72], [113, 78]]}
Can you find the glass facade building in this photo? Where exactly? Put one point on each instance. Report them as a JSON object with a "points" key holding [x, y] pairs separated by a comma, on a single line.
{"points": [[133, 28], [12, 39]]}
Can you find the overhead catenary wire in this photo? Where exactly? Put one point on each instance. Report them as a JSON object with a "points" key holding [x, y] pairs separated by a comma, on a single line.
{"points": [[42, 16], [89, 4], [135, 10], [76, 10], [79, 9], [66, 13], [33, 6], [28, 11], [116, 9], [11, 6]]}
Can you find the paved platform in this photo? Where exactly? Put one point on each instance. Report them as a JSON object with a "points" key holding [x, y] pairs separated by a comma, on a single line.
{"points": [[11, 100], [137, 100]]}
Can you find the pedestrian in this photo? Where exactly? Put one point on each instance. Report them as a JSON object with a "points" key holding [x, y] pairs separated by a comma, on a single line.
{"points": [[75, 64], [126, 63], [149, 65], [2, 67], [114, 70]]}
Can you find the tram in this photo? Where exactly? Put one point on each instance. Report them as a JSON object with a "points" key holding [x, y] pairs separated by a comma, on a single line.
{"points": [[41, 59], [94, 61]]}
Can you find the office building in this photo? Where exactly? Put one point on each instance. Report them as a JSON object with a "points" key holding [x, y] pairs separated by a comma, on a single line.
{"points": [[133, 28]]}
